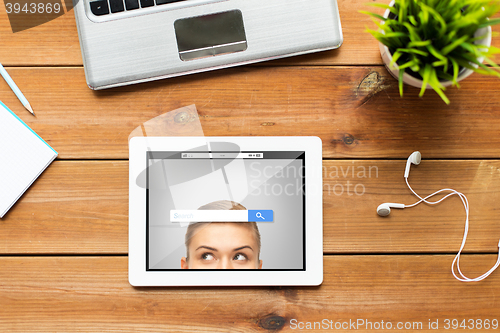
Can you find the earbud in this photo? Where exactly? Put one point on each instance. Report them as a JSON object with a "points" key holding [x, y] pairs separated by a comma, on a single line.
{"points": [[385, 208], [414, 158]]}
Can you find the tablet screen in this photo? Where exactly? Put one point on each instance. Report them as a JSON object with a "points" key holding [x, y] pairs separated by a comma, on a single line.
{"points": [[225, 210]]}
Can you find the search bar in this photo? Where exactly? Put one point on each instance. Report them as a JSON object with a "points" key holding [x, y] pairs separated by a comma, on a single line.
{"points": [[265, 215], [222, 155]]}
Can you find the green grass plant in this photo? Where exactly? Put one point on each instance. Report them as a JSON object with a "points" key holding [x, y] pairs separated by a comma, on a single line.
{"points": [[433, 40]]}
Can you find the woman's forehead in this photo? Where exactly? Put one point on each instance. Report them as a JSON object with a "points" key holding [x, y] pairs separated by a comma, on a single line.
{"points": [[225, 233]]}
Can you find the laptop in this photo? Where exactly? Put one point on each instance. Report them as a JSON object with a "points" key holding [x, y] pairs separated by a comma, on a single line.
{"points": [[132, 41]]}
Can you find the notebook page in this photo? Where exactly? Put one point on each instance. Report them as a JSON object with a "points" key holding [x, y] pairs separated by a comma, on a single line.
{"points": [[23, 157]]}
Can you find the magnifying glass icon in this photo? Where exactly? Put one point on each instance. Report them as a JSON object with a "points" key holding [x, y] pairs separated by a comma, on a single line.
{"points": [[259, 215]]}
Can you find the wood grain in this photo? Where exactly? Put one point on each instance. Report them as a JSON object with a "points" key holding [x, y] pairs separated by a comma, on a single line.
{"points": [[356, 111], [74, 207], [56, 42], [82, 208], [63, 246], [71, 294]]}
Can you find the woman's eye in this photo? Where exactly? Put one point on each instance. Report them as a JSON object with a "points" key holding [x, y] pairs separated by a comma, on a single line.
{"points": [[207, 256], [240, 256]]}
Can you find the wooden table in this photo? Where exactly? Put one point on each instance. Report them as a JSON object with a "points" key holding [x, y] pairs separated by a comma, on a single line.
{"points": [[64, 245]]}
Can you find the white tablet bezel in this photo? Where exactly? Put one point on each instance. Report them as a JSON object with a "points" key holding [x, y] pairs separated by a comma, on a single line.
{"points": [[313, 273]]}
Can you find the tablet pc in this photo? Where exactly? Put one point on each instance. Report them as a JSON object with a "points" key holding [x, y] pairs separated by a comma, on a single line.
{"points": [[225, 211]]}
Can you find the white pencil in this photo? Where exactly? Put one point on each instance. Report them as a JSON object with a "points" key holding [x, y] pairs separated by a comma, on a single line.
{"points": [[16, 90]]}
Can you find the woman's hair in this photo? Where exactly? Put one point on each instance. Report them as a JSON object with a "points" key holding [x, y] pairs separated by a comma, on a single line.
{"points": [[221, 205]]}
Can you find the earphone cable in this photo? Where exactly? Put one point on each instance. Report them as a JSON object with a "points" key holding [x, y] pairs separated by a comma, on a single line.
{"points": [[456, 260]]}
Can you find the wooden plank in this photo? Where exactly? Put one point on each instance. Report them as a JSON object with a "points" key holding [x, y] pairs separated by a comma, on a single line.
{"points": [[56, 42], [74, 207], [78, 294], [356, 111], [354, 189], [82, 207]]}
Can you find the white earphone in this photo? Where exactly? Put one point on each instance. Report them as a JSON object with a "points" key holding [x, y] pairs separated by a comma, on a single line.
{"points": [[385, 209]]}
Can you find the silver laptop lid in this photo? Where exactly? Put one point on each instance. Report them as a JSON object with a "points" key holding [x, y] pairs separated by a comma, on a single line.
{"points": [[132, 41]]}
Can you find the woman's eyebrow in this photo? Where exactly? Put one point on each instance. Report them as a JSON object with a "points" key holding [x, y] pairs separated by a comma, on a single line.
{"points": [[206, 247], [243, 247]]}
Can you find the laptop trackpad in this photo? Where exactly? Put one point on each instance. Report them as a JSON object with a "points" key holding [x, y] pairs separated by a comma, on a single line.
{"points": [[210, 35]]}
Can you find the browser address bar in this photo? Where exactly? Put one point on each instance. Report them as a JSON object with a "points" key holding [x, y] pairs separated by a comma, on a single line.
{"points": [[265, 215]]}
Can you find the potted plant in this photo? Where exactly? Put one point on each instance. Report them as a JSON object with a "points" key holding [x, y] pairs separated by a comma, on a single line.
{"points": [[433, 44]]}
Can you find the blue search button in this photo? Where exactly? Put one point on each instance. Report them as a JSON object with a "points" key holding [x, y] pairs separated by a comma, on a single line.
{"points": [[260, 216]]}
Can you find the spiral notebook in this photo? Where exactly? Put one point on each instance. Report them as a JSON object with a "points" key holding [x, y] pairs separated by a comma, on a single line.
{"points": [[23, 157]]}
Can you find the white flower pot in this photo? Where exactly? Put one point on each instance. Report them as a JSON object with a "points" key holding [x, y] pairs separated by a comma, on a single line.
{"points": [[412, 81]]}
